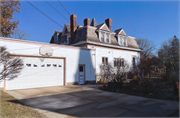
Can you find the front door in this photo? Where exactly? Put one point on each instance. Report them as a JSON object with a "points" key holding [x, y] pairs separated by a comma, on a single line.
{"points": [[81, 74]]}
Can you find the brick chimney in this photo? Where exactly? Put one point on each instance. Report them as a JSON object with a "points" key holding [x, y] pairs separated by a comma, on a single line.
{"points": [[73, 20], [108, 23], [86, 22]]}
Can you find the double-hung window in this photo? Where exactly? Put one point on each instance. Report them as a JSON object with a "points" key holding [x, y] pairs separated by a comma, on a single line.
{"points": [[105, 60], [124, 42], [118, 62], [120, 41], [122, 62], [107, 38], [102, 37]]}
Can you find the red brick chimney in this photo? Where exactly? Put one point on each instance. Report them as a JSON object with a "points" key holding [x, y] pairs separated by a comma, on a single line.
{"points": [[73, 20], [86, 22], [108, 23]]}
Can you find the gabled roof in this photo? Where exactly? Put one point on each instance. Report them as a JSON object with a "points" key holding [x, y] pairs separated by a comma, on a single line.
{"points": [[66, 28], [103, 27], [120, 31], [93, 22], [98, 26], [57, 32]]}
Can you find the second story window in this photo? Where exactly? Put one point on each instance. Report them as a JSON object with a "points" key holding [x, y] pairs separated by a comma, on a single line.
{"points": [[56, 38], [102, 37], [120, 41], [124, 42], [107, 38]]}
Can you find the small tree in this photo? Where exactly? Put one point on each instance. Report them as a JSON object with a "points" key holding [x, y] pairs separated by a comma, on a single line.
{"points": [[106, 72], [147, 47], [20, 34], [11, 66], [115, 74], [169, 55], [147, 63], [8, 23]]}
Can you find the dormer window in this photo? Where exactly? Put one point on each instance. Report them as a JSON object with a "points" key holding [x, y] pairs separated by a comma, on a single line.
{"points": [[120, 41], [107, 38], [124, 42], [102, 37], [56, 38]]}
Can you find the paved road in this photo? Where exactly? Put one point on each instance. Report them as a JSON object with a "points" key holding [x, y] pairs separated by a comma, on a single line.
{"points": [[83, 101]]}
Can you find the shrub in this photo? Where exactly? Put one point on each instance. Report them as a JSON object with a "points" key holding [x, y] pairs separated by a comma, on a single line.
{"points": [[146, 86], [167, 77]]}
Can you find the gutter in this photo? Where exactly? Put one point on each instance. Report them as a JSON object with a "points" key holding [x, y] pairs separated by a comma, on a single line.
{"points": [[107, 45]]}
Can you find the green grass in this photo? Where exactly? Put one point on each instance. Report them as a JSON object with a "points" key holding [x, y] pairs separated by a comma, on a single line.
{"points": [[16, 109]]}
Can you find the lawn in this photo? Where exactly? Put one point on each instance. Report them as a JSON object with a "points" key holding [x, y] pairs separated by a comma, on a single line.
{"points": [[11, 109]]}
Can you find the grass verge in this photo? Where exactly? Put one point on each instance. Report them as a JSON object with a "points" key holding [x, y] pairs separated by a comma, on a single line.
{"points": [[15, 109]]}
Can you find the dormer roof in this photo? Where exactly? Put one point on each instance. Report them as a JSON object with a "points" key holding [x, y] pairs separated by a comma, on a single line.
{"points": [[103, 27], [120, 31], [66, 29]]}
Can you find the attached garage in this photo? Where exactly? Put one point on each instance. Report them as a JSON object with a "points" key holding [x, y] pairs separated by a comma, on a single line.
{"points": [[47, 65], [39, 72]]}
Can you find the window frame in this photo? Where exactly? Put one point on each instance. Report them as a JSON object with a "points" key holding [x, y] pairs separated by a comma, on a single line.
{"points": [[124, 41], [105, 61], [107, 35], [120, 40], [117, 64], [102, 37]]}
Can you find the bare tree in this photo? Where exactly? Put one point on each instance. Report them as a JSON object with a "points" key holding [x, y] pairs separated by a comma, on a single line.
{"points": [[147, 47], [169, 54], [106, 72], [10, 66], [20, 34], [116, 72]]}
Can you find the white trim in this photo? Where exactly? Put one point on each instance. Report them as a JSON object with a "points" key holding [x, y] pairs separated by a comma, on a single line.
{"points": [[123, 31], [43, 43], [109, 33], [107, 45], [105, 26]]}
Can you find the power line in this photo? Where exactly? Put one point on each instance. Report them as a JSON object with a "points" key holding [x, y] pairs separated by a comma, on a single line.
{"points": [[43, 13], [47, 15], [63, 7], [57, 10]]}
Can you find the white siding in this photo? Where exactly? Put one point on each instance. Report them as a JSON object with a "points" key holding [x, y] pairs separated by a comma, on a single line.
{"points": [[74, 56], [114, 53]]}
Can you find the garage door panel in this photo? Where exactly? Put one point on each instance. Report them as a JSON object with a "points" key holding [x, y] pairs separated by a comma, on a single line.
{"points": [[38, 72]]}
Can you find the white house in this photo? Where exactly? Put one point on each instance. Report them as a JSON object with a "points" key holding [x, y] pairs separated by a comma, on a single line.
{"points": [[72, 57]]}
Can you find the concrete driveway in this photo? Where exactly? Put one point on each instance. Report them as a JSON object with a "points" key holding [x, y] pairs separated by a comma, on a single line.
{"points": [[88, 101]]}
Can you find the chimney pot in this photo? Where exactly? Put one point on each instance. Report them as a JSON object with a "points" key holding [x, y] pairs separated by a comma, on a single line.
{"points": [[108, 23]]}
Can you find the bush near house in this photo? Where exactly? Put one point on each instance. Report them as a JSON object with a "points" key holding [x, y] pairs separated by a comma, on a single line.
{"points": [[160, 87]]}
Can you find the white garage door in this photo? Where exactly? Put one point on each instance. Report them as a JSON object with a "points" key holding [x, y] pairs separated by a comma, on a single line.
{"points": [[38, 72]]}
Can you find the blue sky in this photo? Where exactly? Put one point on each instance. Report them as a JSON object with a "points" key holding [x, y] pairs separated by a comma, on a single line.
{"points": [[155, 20]]}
